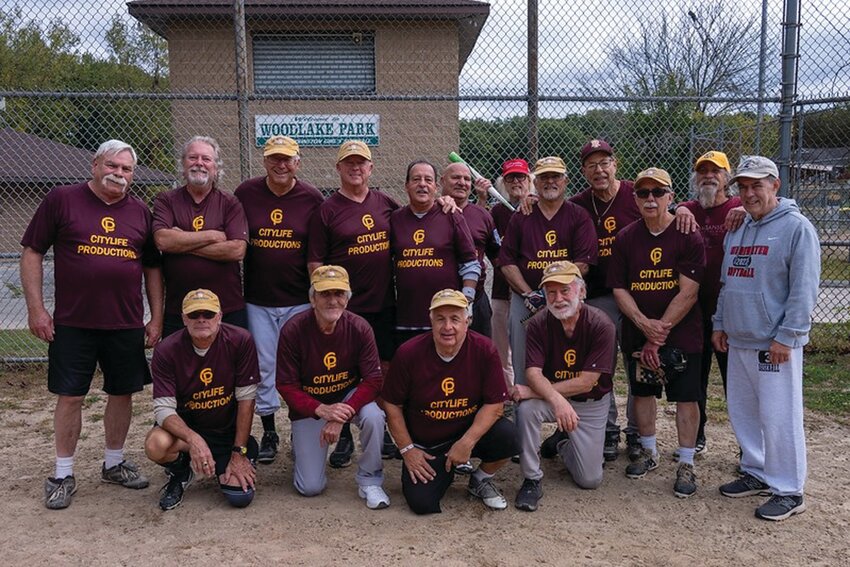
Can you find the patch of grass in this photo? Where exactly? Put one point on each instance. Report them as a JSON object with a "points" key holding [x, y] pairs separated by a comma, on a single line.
{"points": [[829, 338], [20, 343], [835, 267], [95, 417], [90, 400], [826, 384]]}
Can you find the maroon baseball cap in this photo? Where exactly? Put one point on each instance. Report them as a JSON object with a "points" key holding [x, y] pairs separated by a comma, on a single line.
{"points": [[594, 146], [517, 165]]}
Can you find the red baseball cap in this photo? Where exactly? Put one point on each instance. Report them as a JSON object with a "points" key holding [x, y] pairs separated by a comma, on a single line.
{"points": [[517, 165], [594, 146]]}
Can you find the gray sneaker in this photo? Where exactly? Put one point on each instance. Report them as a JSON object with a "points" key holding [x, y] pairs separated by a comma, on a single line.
{"points": [[126, 473], [487, 492], [646, 462], [686, 481], [781, 507], [529, 495], [58, 492], [746, 485]]}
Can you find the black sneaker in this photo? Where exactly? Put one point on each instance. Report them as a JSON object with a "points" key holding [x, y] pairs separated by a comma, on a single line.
{"points": [[549, 447], [612, 445], [646, 462], [746, 485], [268, 447], [701, 448], [781, 507], [389, 449], [172, 492], [633, 446], [529, 495], [341, 455], [686, 481]]}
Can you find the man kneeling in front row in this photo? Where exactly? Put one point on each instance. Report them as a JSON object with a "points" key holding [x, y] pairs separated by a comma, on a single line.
{"points": [[569, 361], [204, 383], [444, 395]]}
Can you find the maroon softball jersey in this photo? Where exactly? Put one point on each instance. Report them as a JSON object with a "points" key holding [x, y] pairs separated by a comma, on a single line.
{"points": [[533, 242], [648, 267], [590, 349], [484, 236], [439, 399], [99, 251], [427, 253], [501, 217], [609, 219], [314, 368], [712, 226], [205, 386], [356, 236], [185, 272], [276, 261]]}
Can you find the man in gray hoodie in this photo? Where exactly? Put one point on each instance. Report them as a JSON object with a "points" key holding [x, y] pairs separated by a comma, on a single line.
{"points": [[770, 275]]}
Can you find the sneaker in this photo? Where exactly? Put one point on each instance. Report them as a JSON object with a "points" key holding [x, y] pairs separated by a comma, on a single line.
{"points": [[341, 455], [389, 449], [746, 485], [646, 462], [633, 446], [515, 459], [124, 473], [376, 498], [465, 468], [686, 481], [701, 447], [529, 495], [487, 492], [58, 492], [172, 492], [268, 447], [612, 446], [781, 507], [549, 447]]}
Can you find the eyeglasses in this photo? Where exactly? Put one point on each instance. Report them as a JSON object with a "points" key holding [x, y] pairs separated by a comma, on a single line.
{"points": [[657, 192], [201, 315], [602, 164], [514, 177]]}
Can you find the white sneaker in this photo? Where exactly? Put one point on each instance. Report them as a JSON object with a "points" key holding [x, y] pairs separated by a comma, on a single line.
{"points": [[487, 492], [376, 498]]}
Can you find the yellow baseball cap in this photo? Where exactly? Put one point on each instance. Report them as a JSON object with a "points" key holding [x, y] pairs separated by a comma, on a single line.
{"points": [[325, 278], [560, 272], [717, 158], [201, 300], [282, 145], [654, 174], [550, 164], [353, 148], [451, 297]]}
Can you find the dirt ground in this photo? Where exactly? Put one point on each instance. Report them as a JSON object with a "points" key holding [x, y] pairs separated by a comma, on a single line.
{"points": [[624, 522]]}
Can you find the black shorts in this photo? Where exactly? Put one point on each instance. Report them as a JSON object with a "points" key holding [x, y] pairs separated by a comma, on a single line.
{"points": [[75, 352], [383, 325], [500, 442], [681, 386], [482, 312], [221, 447]]}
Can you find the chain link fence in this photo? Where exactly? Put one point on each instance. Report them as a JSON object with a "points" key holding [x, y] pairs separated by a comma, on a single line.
{"points": [[662, 80]]}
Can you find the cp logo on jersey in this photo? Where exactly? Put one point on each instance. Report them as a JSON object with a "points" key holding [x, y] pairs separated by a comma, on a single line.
{"points": [[655, 256], [276, 216], [368, 221], [419, 236], [570, 357], [330, 360], [206, 376], [448, 386], [551, 238], [108, 224], [198, 222], [610, 224]]}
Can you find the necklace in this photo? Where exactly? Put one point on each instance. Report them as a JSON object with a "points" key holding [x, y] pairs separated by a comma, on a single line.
{"points": [[596, 211]]}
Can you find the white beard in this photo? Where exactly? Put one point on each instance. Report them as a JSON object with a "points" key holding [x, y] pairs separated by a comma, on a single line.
{"points": [[562, 313], [707, 194]]}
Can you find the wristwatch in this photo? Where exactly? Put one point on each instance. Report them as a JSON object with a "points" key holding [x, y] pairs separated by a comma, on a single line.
{"points": [[241, 449]]}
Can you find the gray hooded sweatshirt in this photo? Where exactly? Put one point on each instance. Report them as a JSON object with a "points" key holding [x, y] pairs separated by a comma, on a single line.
{"points": [[770, 277]]}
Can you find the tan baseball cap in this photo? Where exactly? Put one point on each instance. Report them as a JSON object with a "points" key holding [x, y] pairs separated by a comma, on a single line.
{"points": [[201, 300], [756, 167], [281, 145], [451, 297], [653, 174], [717, 158], [550, 164], [325, 278], [560, 272], [353, 148]]}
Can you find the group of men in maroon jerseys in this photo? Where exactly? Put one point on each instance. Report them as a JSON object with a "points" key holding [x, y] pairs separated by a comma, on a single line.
{"points": [[357, 309]]}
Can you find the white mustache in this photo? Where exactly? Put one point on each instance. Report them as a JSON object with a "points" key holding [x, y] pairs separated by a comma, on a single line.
{"points": [[115, 179]]}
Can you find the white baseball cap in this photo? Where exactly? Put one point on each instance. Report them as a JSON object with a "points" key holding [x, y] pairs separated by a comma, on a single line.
{"points": [[755, 167]]}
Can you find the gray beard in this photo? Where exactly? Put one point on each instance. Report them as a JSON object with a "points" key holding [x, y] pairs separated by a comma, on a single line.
{"points": [[707, 194]]}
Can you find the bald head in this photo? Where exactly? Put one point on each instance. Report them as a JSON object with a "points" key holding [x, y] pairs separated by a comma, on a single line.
{"points": [[456, 182]]}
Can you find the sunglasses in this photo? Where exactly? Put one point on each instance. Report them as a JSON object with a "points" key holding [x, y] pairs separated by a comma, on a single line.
{"points": [[657, 192], [512, 177], [201, 314]]}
